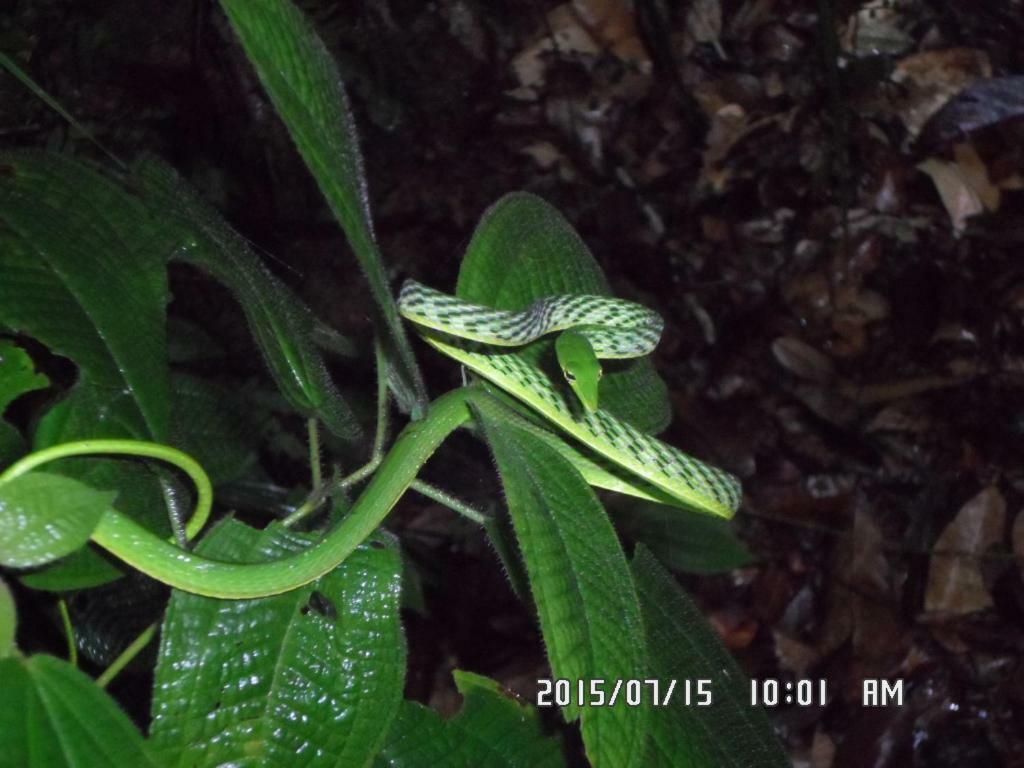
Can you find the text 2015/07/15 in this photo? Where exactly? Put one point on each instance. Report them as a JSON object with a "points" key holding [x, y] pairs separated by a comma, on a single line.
{"points": [[599, 692]]}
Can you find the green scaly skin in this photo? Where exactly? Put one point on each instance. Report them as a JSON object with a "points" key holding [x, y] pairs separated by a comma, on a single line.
{"points": [[457, 328]]}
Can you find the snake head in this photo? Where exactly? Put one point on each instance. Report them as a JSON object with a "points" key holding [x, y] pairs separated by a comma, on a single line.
{"points": [[580, 366]]}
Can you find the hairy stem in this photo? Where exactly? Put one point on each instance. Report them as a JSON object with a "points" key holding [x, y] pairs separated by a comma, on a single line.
{"points": [[452, 502]]}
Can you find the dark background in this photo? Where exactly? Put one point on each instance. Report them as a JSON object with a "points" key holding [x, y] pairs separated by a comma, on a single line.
{"points": [[841, 332]]}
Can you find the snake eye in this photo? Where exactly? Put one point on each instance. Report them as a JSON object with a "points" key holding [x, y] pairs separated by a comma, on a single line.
{"points": [[569, 376]]}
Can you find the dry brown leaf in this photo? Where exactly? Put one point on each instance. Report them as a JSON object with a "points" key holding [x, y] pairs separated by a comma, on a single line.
{"points": [[582, 28], [874, 394], [567, 37], [703, 25], [794, 656], [932, 78], [876, 30], [802, 359], [955, 584], [823, 750], [862, 601], [963, 185], [612, 24]]}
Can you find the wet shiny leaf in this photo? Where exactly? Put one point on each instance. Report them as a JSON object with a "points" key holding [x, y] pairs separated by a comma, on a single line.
{"points": [[45, 516], [316, 672]]}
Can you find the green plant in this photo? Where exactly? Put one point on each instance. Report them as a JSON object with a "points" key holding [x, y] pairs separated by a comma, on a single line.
{"points": [[297, 645]]}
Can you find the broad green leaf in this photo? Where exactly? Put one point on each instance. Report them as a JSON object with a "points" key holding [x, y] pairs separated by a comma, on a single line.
{"points": [[45, 516], [682, 541], [303, 82], [492, 730], [82, 569], [280, 323], [588, 608], [86, 277], [524, 249], [316, 672], [212, 426], [53, 716], [17, 374], [12, 444], [8, 620], [727, 734]]}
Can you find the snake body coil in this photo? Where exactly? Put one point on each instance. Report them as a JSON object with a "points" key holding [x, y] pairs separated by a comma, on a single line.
{"points": [[614, 327], [450, 321]]}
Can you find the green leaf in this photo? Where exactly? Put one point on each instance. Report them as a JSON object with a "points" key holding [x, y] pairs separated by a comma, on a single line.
{"points": [[8, 620], [212, 426], [523, 249], [280, 323], [45, 516], [303, 82], [17, 374], [493, 730], [12, 444], [727, 734], [588, 608], [682, 541], [82, 569], [85, 276], [317, 671], [53, 716]]}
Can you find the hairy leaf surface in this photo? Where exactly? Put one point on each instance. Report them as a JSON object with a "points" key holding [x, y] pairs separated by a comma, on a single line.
{"points": [[729, 733], [682, 541], [302, 80], [588, 608], [492, 730]]}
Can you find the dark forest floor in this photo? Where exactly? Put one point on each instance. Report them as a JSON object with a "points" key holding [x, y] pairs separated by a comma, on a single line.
{"points": [[835, 251]]}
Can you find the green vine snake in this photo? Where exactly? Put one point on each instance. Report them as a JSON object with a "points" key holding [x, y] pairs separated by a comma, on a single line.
{"points": [[610, 453]]}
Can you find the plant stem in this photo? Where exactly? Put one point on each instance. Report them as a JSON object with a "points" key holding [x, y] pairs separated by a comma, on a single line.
{"points": [[452, 502], [124, 659], [69, 631], [321, 492], [314, 451]]}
